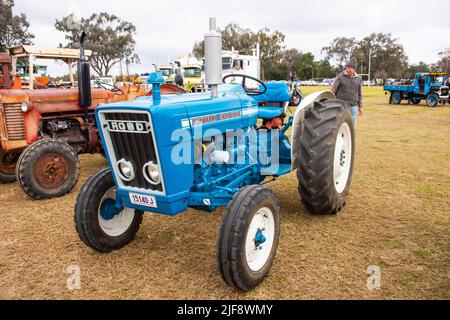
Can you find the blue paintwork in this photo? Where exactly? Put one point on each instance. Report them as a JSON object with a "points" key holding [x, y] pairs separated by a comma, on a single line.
{"points": [[269, 112], [156, 79], [259, 238], [108, 209], [276, 91], [199, 185]]}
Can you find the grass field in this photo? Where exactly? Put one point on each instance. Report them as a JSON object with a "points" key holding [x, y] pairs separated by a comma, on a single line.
{"points": [[397, 217]]}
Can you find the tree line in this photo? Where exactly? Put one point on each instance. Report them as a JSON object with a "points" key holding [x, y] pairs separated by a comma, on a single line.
{"points": [[387, 56], [112, 42]]}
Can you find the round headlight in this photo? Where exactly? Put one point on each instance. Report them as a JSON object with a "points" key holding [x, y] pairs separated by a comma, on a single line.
{"points": [[151, 173], [25, 107], [126, 170]]}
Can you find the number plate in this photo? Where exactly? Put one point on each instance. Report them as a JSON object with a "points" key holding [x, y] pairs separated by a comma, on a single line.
{"points": [[141, 200]]}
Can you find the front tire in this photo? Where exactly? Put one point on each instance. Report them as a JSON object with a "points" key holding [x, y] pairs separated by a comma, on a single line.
{"points": [[326, 157], [48, 169], [432, 100], [248, 237], [98, 226]]}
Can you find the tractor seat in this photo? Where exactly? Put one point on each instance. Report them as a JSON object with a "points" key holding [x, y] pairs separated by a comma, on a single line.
{"points": [[272, 102], [268, 112]]}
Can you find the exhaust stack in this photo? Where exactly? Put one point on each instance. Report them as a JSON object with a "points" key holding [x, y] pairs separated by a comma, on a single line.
{"points": [[213, 58], [84, 78]]}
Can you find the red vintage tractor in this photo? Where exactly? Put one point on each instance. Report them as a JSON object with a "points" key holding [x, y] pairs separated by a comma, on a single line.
{"points": [[43, 131]]}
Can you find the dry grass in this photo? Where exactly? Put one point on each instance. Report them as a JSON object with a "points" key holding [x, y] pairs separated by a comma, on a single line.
{"points": [[397, 217]]}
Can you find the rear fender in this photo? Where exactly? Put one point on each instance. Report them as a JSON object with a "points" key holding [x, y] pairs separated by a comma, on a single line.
{"points": [[297, 126]]}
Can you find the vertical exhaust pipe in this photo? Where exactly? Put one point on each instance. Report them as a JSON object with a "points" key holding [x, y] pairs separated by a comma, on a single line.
{"points": [[213, 58], [84, 78]]}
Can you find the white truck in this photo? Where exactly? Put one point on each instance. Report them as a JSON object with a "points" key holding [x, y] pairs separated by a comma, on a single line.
{"points": [[168, 72], [192, 69], [235, 63]]}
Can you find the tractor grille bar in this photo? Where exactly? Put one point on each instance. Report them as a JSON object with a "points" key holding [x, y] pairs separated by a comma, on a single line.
{"points": [[138, 148], [15, 122]]}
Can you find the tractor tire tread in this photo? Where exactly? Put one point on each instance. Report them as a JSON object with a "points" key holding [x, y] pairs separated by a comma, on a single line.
{"points": [[82, 217], [23, 170], [314, 163], [231, 233]]}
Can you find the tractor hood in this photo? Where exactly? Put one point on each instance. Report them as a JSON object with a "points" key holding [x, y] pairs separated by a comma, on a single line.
{"points": [[167, 125], [232, 109], [61, 100]]}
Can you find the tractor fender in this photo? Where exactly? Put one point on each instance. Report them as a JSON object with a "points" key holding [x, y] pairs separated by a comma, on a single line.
{"points": [[297, 125]]}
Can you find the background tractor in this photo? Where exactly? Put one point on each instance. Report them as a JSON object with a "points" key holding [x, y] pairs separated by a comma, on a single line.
{"points": [[5, 74], [217, 149], [425, 86], [43, 131]]}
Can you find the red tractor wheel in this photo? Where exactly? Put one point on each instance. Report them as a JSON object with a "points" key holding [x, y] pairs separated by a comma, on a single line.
{"points": [[48, 169]]}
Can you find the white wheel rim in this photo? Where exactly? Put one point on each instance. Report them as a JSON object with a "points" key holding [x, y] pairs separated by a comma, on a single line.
{"points": [[257, 257], [120, 223], [342, 158]]}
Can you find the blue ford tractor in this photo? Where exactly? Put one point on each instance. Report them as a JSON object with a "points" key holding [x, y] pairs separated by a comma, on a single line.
{"points": [[217, 149], [425, 86]]}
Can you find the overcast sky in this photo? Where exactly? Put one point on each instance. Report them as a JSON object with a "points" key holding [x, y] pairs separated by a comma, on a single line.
{"points": [[171, 27]]}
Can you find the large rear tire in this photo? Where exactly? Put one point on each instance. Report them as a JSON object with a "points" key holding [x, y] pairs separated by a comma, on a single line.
{"points": [[48, 169], [326, 157], [248, 237], [98, 225]]}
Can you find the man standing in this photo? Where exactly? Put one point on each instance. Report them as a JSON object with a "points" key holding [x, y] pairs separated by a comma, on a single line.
{"points": [[348, 87]]}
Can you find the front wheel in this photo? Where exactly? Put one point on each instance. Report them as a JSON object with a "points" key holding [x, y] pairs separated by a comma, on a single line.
{"points": [[326, 157], [432, 100], [248, 237], [48, 169], [100, 225]]}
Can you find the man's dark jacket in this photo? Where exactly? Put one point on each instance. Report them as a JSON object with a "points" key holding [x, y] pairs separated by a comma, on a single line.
{"points": [[348, 89]]}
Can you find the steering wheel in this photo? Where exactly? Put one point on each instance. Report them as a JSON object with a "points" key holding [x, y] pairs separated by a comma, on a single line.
{"points": [[114, 89], [250, 92]]}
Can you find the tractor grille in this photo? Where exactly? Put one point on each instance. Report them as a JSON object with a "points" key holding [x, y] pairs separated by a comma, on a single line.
{"points": [[15, 122], [138, 148]]}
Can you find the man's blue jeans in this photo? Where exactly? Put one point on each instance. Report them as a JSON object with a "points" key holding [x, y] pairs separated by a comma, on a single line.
{"points": [[355, 114]]}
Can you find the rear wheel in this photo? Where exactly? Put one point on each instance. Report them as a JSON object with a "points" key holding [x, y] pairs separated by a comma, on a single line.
{"points": [[396, 97], [8, 163], [248, 237], [100, 225], [432, 100], [48, 169], [326, 157], [415, 101]]}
